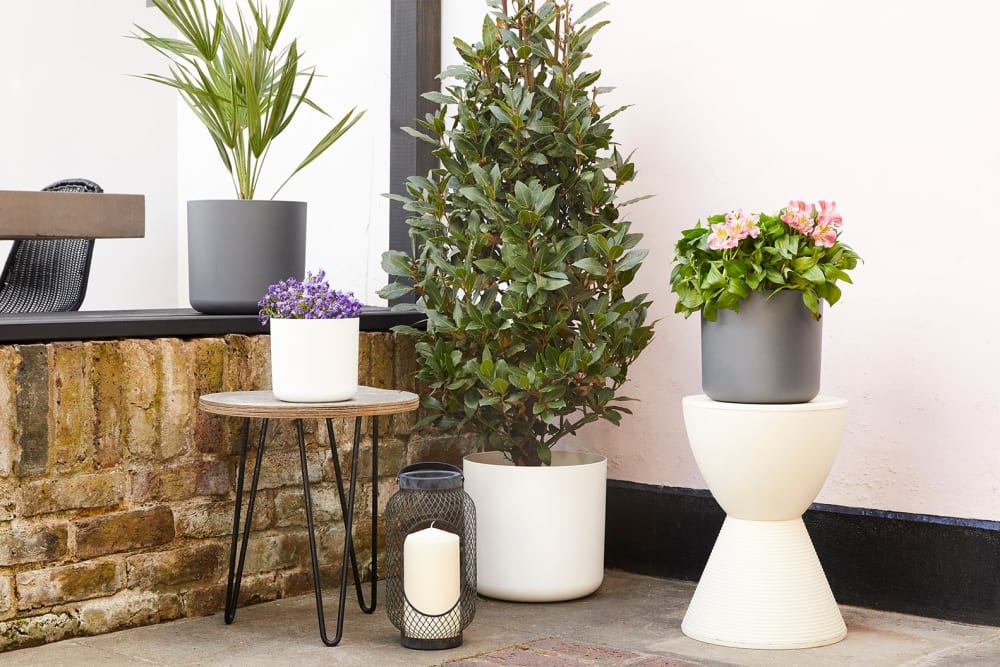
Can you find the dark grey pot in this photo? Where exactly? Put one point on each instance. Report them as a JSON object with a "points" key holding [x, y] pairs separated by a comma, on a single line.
{"points": [[237, 248], [769, 352]]}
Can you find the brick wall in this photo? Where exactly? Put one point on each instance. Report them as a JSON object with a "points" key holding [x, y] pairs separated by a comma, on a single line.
{"points": [[116, 493]]}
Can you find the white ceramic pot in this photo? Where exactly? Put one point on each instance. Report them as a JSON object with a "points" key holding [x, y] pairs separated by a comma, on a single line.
{"points": [[539, 530], [314, 361]]}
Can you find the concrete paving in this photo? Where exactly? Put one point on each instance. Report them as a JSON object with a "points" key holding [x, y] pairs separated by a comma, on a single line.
{"points": [[631, 620]]}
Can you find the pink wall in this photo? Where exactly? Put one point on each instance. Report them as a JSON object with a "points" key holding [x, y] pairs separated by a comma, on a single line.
{"points": [[889, 108]]}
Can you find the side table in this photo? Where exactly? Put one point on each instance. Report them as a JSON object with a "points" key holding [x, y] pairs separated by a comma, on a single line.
{"points": [[763, 586], [368, 402]]}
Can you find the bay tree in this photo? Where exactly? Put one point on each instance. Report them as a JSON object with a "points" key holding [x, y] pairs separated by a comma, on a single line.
{"points": [[521, 254]]}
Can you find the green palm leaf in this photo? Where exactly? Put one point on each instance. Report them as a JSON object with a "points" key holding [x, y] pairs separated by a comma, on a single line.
{"points": [[232, 74], [345, 123]]}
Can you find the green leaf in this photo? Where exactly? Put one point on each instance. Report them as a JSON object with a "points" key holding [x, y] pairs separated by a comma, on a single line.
{"points": [[811, 302], [394, 291], [544, 454], [690, 299], [710, 311], [713, 279], [419, 135], [438, 97], [832, 293], [833, 273], [814, 275], [591, 12], [549, 284], [396, 263], [774, 276], [342, 126], [787, 246], [543, 200], [476, 195], [738, 287], [489, 34], [591, 266], [631, 260], [490, 266], [729, 301], [803, 264], [500, 114], [734, 268]]}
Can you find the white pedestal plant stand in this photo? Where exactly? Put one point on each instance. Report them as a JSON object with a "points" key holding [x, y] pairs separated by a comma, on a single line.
{"points": [[763, 586]]}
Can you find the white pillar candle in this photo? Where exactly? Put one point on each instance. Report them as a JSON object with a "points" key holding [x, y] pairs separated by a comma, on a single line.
{"points": [[431, 581]]}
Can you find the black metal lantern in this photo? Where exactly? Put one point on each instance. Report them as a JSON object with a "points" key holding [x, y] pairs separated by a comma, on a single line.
{"points": [[430, 562]]}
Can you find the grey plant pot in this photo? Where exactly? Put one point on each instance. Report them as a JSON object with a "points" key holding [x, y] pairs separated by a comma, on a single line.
{"points": [[768, 352], [237, 248]]}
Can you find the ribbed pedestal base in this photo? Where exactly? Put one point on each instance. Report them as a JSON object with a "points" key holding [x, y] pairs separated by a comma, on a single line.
{"points": [[763, 587]]}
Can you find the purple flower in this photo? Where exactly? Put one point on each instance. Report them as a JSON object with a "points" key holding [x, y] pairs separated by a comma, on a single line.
{"points": [[311, 299]]}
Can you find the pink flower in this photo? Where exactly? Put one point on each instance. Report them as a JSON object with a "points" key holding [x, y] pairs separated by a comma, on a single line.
{"points": [[827, 214], [721, 238], [741, 225], [798, 216], [824, 234]]}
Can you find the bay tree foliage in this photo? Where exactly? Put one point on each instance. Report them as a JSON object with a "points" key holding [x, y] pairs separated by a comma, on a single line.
{"points": [[521, 255]]}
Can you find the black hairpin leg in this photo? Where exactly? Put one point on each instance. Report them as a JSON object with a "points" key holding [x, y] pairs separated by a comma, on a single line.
{"points": [[317, 584], [236, 572], [370, 607], [347, 509]]}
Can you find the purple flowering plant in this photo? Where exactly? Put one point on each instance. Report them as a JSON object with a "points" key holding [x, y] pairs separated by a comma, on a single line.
{"points": [[310, 299]]}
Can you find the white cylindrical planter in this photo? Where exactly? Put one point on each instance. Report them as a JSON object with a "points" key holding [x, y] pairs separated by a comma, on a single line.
{"points": [[314, 361], [539, 529], [763, 586]]}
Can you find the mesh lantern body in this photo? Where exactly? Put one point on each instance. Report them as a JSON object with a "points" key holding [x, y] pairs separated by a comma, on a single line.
{"points": [[431, 497]]}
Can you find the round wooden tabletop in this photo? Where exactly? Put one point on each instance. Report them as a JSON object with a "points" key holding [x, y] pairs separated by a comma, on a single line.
{"points": [[368, 402]]}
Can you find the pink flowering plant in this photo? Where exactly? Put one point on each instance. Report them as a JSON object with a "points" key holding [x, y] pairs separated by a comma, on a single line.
{"points": [[310, 299], [798, 248]]}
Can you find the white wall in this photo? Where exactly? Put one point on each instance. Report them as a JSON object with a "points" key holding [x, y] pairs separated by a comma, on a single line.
{"points": [[891, 108], [70, 110]]}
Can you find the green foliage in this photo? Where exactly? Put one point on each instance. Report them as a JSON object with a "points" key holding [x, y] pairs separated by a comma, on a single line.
{"points": [[521, 256], [240, 84], [779, 258]]}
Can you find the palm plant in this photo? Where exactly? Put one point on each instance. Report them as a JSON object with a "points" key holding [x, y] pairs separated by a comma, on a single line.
{"points": [[241, 85]]}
